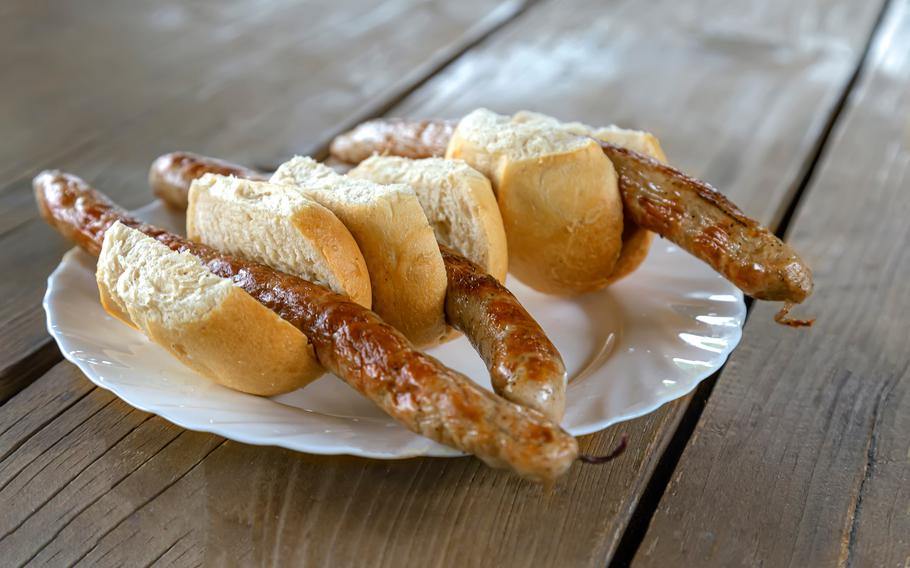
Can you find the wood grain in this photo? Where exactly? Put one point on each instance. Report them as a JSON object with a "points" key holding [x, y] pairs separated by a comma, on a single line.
{"points": [[81, 460], [37, 361], [252, 83], [753, 87], [806, 432], [313, 64], [738, 99], [34, 409], [105, 481]]}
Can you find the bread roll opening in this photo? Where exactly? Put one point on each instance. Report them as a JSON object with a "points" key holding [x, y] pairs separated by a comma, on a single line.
{"points": [[457, 200], [636, 140], [206, 322], [265, 223], [407, 274], [515, 139], [150, 282], [558, 197]]}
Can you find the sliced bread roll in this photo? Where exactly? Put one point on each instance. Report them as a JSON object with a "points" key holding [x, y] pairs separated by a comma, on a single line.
{"points": [[205, 321], [636, 140], [278, 227], [457, 200], [407, 274], [635, 240], [558, 197]]}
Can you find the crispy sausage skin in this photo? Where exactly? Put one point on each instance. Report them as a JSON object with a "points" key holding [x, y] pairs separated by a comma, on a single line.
{"points": [[686, 211], [394, 136], [702, 221], [524, 365], [171, 174], [350, 341]]}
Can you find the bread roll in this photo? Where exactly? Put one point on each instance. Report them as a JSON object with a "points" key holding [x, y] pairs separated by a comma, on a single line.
{"points": [[205, 321], [278, 227], [635, 240], [636, 140], [407, 275], [457, 200], [558, 196]]}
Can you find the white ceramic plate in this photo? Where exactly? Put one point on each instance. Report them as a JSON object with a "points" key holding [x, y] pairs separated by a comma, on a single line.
{"points": [[645, 341]]}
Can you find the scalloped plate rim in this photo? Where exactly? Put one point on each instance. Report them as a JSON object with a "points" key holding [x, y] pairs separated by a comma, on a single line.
{"points": [[340, 447]]}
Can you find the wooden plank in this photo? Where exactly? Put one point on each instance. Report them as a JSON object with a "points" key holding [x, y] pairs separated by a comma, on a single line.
{"points": [[38, 360], [166, 61], [805, 436], [115, 488], [252, 83], [744, 85], [35, 408], [75, 502], [738, 99], [99, 459], [753, 87]]}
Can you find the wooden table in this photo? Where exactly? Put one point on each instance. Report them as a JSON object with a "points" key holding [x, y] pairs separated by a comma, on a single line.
{"points": [[796, 453]]}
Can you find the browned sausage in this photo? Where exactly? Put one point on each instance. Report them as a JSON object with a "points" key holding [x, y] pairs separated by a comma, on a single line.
{"points": [[686, 211], [524, 365], [702, 221], [393, 136], [171, 174], [350, 341]]}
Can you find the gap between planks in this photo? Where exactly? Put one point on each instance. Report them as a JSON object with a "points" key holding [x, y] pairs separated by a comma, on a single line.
{"points": [[644, 511], [26, 370], [647, 506], [474, 471]]}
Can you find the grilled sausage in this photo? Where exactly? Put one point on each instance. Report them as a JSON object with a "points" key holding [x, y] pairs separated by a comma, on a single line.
{"points": [[350, 341], [524, 365], [394, 136], [171, 174], [686, 211], [702, 221]]}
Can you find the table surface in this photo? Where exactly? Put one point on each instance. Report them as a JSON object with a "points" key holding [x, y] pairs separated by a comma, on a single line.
{"points": [[796, 453]]}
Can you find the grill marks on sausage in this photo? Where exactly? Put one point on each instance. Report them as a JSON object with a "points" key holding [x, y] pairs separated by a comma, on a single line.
{"points": [[703, 222], [350, 341], [397, 137], [171, 174], [524, 365], [657, 197]]}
